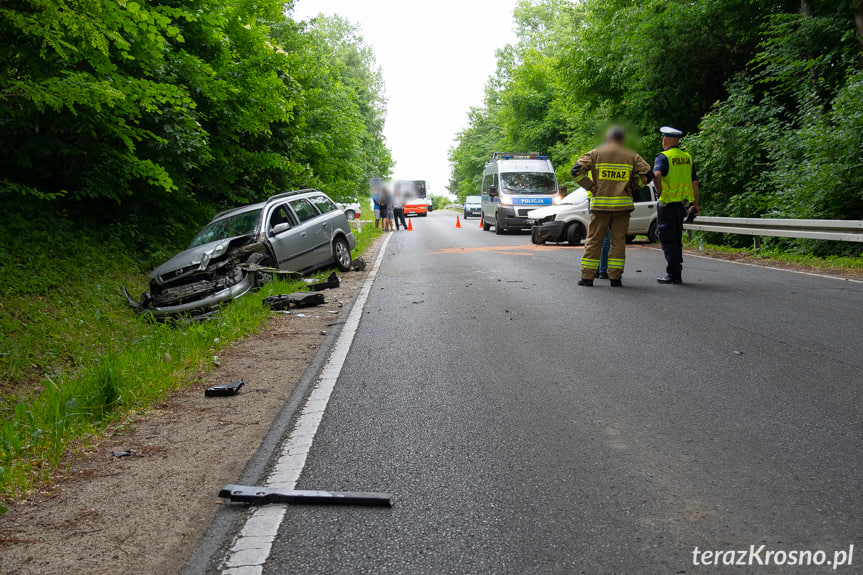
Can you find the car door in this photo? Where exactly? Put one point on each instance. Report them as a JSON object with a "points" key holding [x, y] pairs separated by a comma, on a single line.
{"points": [[314, 237], [285, 235], [644, 212], [332, 220]]}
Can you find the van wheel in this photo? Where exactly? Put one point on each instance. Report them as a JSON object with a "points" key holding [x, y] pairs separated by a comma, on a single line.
{"points": [[485, 225], [574, 235], [498, 229], [652, 233]]}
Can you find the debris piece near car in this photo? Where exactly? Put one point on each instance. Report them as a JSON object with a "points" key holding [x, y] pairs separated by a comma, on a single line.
{"points": [[224, 390], [332, 282], [297, 299], [359, 264]]}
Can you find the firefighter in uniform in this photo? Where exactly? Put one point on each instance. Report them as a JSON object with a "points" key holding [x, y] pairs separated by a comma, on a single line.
{"points": [[606, 172], [676, 185]]}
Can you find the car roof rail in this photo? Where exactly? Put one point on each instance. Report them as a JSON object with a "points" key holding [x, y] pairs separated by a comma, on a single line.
{"points": [[289, 194], [516, 156], [268, 200]]}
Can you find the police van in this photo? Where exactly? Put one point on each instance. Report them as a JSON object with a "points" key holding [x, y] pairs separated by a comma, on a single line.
{"points": [[512, 186]]}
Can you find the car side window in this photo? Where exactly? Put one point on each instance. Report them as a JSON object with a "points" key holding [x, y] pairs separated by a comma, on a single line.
{"points": [[323, 203], [486, 183], [280, 216], [304, 210]]}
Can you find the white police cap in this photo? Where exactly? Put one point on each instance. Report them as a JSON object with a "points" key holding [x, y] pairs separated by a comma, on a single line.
{"points": [[670, 132]]}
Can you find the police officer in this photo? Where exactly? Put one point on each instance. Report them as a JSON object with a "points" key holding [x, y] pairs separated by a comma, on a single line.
{"points": [[676, 184], [606, 172]]}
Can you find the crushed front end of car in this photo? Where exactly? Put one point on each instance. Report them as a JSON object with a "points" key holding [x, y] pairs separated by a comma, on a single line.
{"points": [[201, 278]]}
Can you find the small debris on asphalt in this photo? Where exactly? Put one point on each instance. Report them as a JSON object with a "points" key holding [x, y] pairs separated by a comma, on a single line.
{"points": [[225, 389], [323, 332], [119, 454], [738, 352], [334, 312], [418, 301]]}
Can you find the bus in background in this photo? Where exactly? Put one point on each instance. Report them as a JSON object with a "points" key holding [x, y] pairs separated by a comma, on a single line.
{"points": [[415, 193]]}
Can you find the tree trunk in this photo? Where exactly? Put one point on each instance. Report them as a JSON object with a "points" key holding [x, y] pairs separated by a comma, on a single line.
{"points": [[858, 25], [806, 7]]}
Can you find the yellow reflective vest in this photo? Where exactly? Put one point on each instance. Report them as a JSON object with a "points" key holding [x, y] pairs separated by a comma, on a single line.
{"points": [[677, 183]]}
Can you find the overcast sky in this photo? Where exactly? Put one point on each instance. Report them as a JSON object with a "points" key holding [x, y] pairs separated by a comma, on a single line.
{"points": [[436, 57]]}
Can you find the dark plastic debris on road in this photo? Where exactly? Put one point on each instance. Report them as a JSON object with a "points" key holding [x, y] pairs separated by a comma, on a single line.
{"points": [[297, 299], [224, 390]]}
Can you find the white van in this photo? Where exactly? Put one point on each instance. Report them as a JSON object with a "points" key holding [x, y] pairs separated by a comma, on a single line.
{"points": [[512, 186]]}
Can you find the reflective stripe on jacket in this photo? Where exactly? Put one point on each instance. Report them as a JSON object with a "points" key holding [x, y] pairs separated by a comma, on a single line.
{"points": [[610, 168]]}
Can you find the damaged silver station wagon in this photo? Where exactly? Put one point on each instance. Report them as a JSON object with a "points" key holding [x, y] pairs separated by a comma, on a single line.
{"points": [[298, 231]]}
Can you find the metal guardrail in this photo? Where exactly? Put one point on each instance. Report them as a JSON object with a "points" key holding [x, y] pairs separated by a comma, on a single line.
{"points": [[834, 230]]}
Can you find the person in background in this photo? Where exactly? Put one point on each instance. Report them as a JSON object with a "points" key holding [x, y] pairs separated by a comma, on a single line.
{"points": [[676, 184], [376, 196], [388, 208], [399, 209], [602, 273]]}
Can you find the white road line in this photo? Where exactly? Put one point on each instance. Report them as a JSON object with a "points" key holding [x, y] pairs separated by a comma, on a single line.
{"points": [[252, 547]]}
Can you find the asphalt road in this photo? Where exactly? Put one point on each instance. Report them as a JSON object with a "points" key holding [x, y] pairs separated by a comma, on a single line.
{"points": [[526, 425]]}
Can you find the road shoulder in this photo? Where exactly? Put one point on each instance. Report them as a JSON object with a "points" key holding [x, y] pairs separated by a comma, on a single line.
{"points": [[147, 512]]}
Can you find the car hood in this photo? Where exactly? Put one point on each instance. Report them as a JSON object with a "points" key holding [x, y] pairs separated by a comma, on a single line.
{"points": [[546, 211], [189, 260]]}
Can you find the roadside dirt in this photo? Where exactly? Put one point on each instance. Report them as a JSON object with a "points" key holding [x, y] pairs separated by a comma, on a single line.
{"points": [[145, 512], [856, 274]]}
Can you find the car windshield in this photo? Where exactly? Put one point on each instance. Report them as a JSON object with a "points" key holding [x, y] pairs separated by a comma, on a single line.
{"points": [[473, 200], [579, 196], [525, 183], [237, 225]]}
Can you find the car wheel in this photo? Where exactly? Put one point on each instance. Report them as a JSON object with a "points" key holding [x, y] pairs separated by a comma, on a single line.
{"points": [[574, 235], [652, 233], [342, 254], [465, 215], [498, 229], [351, 215], [485, 225]]}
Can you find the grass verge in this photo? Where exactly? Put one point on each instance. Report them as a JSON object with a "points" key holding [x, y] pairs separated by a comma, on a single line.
{"points": [[777, 254], [74, 358]]}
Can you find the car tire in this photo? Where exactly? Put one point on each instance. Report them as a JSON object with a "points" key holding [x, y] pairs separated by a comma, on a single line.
{"points": [[342, 254], [653, 233], [574, 235], [466, 216], [485, 225], [498, 229], [350, 215]]}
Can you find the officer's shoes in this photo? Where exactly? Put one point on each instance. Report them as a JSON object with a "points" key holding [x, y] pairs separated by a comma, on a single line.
{"points": [[670, 280], [616, 283], [585, 282], [602, 276]]}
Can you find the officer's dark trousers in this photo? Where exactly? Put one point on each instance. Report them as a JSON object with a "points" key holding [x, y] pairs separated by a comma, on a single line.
{"points": [[669, 222]]}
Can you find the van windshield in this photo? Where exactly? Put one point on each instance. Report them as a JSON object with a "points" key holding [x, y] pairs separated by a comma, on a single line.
{"points": [[525, 183]]}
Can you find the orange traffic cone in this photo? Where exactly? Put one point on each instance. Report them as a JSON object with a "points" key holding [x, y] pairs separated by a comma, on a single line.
{"points": [[410, 225], [480, 221], [457, 223]]}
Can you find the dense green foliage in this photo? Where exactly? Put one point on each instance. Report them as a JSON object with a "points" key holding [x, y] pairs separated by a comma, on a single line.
{"points": [[154, 113], [770, 93]]}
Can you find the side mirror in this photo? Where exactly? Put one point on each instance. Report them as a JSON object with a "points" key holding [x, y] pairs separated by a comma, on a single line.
{"points": [[492, 192], [279, 228]]}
